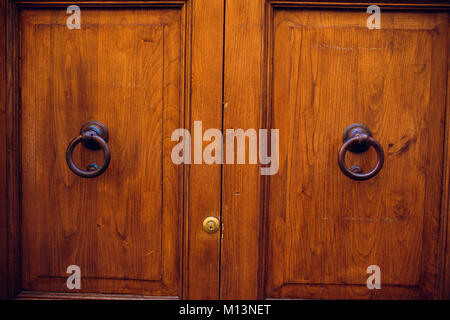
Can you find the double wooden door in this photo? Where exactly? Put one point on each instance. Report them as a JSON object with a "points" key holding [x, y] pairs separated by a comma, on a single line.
{"points": [[91, 112]]}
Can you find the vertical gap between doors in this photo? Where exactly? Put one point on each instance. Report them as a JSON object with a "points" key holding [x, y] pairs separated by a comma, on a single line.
{"points": [[221, 166]]}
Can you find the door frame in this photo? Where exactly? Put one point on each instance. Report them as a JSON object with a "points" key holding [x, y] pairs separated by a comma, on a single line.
{"points": [[199, 265], [247, 49]]}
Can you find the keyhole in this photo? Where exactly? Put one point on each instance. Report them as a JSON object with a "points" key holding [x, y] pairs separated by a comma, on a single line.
{"points": [[210, 225]]}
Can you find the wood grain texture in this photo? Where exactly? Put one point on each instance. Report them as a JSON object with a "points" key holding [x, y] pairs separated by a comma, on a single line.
{"points": [[42, 295], [347, 4], [124, 229], [445, 249], [324, 230], [205, 180], [13, 149], [101, 3], [3, 160], [241, 211], [309, 255]]}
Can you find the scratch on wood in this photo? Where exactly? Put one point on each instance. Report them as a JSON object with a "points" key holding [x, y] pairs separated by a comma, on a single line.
{"points": [[149, 253], [383, 219], [326, 46]]}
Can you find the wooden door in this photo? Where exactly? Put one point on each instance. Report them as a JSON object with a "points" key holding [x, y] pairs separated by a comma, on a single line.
{"points": [[309, 231], [146, 68], [129, 230]]}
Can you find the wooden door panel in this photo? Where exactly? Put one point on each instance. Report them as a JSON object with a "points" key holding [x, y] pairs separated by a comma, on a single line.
{"points": [[124, 68], [328, 71]]}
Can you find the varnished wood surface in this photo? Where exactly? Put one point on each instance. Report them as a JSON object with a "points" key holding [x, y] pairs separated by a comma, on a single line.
{"points": [[42, 295], [205, 180], [445, 249], [241, 217], [207, 73], [324, 229], [124, 68], [13, 150], [246, 243], [3, 160]]}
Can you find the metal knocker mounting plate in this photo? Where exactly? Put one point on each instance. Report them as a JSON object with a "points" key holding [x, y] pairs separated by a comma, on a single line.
{"points": [[351, 131], [99, 129]]}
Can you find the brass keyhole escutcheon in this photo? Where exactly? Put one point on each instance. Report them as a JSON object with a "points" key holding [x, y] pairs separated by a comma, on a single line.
{"points": [[210, 225]]}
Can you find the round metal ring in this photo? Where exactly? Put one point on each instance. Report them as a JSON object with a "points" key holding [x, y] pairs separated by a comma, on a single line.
{"points": [[359, 139], [89, 137]]}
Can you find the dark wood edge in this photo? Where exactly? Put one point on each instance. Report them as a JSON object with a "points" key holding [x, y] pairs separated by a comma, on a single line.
{"points": [[3, 160], [39, 295], [268, 124], [184, 249], [121, 3], [348, 4], [183, 182], [444, 262], [13, 149], [388, 292]]}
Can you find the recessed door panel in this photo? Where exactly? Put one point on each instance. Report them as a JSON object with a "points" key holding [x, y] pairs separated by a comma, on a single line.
{"points": [[328, 71], [125, 69]]}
